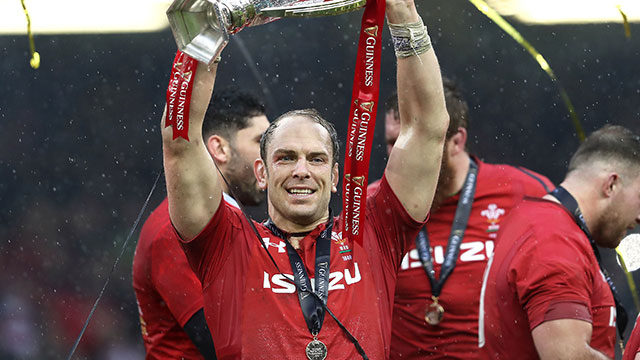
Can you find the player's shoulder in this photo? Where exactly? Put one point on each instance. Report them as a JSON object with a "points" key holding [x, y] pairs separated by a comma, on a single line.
{"points": [[546, 219], [536, 226], [516, 176], [157, 226], [372, 187]]}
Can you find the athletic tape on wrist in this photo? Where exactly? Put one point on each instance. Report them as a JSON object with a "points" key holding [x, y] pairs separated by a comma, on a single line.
{"points": [[410, 39]]}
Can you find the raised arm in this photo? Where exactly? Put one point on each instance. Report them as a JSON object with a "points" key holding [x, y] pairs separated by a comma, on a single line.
{"points": [[193, 186], [414, 162]]}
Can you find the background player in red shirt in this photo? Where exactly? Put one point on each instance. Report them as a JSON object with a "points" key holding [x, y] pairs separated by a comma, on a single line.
{"points": [[545, 294], [497, 189], [252, 306], [168, 292], [632, 349]]}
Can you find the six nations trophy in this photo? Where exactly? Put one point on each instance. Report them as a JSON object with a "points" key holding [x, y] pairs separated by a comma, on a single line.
{"points": [[202, 27]]}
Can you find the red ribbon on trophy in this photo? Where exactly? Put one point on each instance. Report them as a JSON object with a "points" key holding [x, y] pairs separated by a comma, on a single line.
{"points": [[179, 94], [364, 104]]}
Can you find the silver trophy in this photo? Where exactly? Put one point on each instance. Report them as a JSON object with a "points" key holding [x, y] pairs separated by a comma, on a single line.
{"points": [[202, 27]]}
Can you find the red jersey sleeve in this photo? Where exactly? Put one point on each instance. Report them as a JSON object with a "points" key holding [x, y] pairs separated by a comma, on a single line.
{"points": [[174, 280], [396, 229], [552, 279], [208, 250]]}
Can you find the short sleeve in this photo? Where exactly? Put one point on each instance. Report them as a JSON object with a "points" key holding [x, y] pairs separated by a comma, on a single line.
{"points": [[174, 280], [394, 227], [209, 249], [552, 279]]}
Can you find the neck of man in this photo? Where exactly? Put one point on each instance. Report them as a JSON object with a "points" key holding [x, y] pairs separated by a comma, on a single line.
{"points": [[460, 166], [583, 194], [452, 175], [225, 188], [297, 229]]}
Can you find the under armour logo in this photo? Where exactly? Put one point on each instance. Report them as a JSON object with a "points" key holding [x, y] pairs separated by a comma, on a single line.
{"points": [[281, 245]]}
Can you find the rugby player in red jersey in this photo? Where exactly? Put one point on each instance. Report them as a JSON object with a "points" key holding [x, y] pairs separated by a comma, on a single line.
{"points": [[632, 348], [545, 295], [169, 294], [252, 307], [493, 189]]}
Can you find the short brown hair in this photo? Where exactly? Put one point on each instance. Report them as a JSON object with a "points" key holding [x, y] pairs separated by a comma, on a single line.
{"points": [[612, 144], [456, 106], [311, 114]]}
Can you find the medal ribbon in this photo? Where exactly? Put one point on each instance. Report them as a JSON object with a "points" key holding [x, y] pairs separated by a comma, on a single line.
{"points": [[458, 227], [179, 94], [364, 104], [569, 202], [312, 306]]}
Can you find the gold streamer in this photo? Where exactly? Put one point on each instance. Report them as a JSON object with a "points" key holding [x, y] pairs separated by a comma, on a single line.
{"points": [[630, 281], [625, 22], [35, 57], [506, 27]]}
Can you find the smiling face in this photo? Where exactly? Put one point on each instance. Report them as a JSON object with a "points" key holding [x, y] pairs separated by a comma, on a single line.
{"points": [[299, 175]]}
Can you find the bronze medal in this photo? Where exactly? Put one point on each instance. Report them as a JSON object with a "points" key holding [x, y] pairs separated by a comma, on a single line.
{"points": [[316, 350], [434, 313]]}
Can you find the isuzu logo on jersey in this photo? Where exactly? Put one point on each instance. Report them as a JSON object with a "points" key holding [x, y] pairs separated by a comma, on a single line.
{"points": [[338, 280], [493, 213], [469, 251]]}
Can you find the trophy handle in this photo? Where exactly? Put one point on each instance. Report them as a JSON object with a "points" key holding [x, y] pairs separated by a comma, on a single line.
{"points": [[313, 9], [198, 29]]}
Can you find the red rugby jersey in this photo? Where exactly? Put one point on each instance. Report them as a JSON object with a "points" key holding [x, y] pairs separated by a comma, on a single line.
{"points": [[253, 311], [498, 189], [633, 344], [167, 290], [543, 269]]}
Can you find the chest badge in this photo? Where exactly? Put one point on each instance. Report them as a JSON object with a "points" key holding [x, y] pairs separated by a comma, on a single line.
{"points": [[493, 216], [343, 246]]}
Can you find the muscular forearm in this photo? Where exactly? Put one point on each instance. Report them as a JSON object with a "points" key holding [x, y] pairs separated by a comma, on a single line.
{"points": [[414, 162], [420, 93], [193, 187]]}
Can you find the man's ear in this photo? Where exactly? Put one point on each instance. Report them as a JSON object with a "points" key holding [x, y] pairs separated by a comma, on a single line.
{"points": [[219, 149], [335, 177], [611, 184], [260, 171], [458, 142]]}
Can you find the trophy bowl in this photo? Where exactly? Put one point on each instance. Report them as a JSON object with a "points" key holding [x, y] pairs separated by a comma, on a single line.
{"points": [[201, 28]]}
